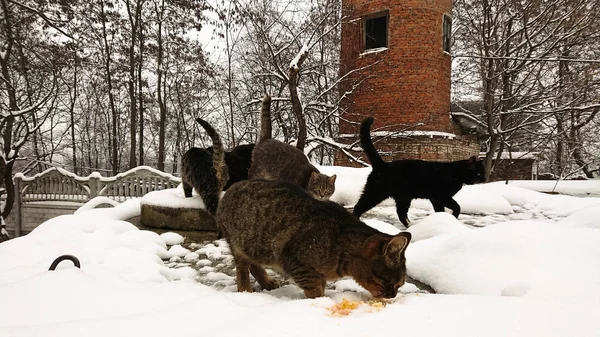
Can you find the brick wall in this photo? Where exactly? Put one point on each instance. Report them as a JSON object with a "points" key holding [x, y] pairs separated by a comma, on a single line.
{"points": [[516, 169], [431, 148], [411, 81]]}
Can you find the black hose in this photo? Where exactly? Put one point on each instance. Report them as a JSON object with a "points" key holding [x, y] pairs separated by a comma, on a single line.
{"points": [[65, 257]]}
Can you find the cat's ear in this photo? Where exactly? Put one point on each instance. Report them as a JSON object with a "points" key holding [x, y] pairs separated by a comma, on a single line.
{"points": [[314, 176], [374, 246], [331, 180], [395, 248], [472, 160]]}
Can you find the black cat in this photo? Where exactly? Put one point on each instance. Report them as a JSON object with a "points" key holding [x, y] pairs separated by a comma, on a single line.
{"points": [[404, 180], [238, 163]]}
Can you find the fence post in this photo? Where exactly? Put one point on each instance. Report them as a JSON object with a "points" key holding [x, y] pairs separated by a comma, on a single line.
{"points": [[18, 207], [94, 184]]}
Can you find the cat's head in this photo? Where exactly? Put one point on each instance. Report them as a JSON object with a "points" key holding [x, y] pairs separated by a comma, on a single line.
{"points": [[382, 268], [473, 171], [321, 186]]}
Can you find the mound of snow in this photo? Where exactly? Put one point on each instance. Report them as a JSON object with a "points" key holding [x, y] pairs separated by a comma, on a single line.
{"points": [[562, 205], [171, 238], [510, 258], [382, 226], [586, 217], [477, 199], [436, 224]]}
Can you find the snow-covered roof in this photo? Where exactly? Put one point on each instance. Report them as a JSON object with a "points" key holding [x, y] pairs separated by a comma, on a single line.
{"points": [[516, 155]]}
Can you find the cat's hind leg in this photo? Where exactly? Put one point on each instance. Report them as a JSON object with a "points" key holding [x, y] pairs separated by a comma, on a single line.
{"points": [[261, 276], [454, 206], [306, 278]]}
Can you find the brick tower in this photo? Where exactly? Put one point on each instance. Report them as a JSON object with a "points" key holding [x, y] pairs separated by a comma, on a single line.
{"points": [[395, 55]]}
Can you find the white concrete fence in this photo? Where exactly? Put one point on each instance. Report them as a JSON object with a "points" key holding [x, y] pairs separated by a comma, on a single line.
{"points": [[56, 192]]}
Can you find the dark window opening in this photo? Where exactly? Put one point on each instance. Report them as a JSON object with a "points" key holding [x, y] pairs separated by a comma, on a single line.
{"points": [[376, 27], [447, 32]]}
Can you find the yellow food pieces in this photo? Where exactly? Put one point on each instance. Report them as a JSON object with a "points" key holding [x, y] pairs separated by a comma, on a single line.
{"points": [[345, 307]]}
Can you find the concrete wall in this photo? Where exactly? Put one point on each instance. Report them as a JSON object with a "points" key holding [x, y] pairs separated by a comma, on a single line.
{"points": [[36, 213]]}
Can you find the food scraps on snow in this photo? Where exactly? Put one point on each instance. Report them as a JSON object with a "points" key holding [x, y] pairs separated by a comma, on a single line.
{"points": [[345, 307]]}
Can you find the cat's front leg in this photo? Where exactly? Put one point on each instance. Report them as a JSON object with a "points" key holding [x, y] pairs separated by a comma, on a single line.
{"points": [[372, 195], [402, 206], [187, 190], [437, 206], [242, 275]]}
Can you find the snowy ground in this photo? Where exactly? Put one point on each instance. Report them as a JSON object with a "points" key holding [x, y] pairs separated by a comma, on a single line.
{"points": [[516, 263]]}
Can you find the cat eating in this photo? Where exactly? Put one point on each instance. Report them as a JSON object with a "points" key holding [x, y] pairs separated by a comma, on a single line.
{"points": [[404, 180], [280, 225]]}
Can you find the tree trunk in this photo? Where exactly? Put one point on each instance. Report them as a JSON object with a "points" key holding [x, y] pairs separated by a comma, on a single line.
{"points": [[229, 82], [293, 72], [134, 22], [7, 123], [161, 103], [140, 94], [72, 115], [111, 98]]}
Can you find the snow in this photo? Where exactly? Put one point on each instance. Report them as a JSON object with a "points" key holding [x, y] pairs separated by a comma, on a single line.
{"points": [[172, 198], [434, 225], [95, 202], [179, 250], [373, 51], [302, 53], [570, 187], [98, 175], [515, 155], [406, 133], [516, 262], [171, 238]]}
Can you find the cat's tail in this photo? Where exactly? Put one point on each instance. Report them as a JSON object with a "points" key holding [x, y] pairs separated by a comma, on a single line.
{"points": [[367, 143], [218, 154], [265, 119]]}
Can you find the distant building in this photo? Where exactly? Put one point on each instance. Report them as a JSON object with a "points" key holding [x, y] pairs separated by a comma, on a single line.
{"points": [[395, 55], [515, 166]]}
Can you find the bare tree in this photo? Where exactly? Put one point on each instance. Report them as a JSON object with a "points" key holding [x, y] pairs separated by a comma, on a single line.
{"points": [[284, 50], [508, 51], [22, 117]]}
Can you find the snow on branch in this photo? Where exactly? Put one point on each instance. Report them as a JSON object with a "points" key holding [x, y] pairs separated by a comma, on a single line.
{"points": [[339, 146], [299, 59]]}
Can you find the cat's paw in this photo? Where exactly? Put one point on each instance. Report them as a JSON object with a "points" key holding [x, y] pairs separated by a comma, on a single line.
{"points": [[270, 284]]}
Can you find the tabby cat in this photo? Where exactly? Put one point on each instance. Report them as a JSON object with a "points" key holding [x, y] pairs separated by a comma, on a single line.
{"points": [[204, 171], [280, 225], [404, 180], [275, 160]]}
